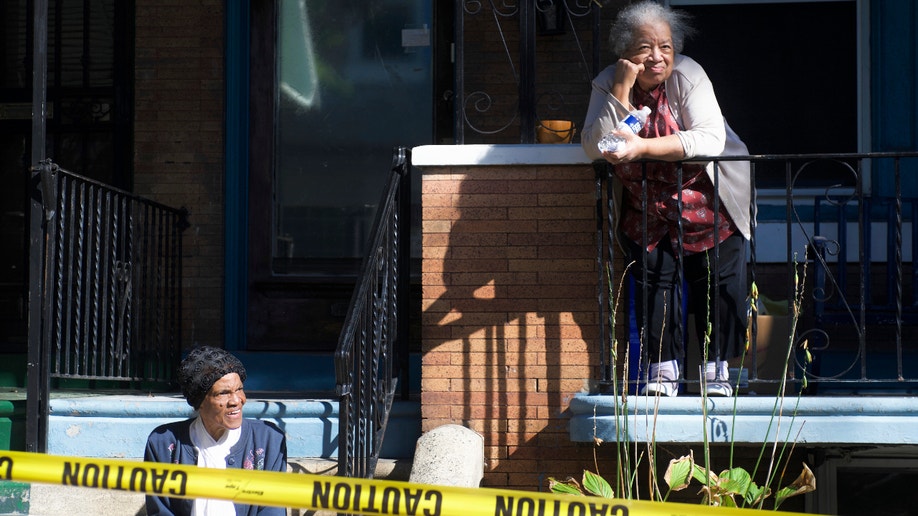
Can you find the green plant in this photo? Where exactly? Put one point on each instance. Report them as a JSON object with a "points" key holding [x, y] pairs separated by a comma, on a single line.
{"points": [[593, 484], [732, 487], [720, 490], [723, 489]]}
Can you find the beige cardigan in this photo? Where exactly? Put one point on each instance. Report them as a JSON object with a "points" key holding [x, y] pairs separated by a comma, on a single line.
{"points": [[703, 131]]}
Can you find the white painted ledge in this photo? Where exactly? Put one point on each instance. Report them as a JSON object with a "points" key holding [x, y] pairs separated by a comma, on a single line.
{"points": [[820, 421], [497, 155]]}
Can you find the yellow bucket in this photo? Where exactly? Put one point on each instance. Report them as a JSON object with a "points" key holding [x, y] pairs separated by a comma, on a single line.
{"points": [[555, 131]]}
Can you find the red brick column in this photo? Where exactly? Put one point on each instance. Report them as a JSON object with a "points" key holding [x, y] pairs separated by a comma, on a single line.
{"points": [[510, 312]]}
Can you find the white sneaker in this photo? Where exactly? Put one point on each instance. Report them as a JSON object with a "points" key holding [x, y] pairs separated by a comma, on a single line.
{"points": [[662, 379], [717, 379]]}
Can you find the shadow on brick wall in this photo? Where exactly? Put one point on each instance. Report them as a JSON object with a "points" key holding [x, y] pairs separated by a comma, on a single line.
{"points": [[510, 313]]}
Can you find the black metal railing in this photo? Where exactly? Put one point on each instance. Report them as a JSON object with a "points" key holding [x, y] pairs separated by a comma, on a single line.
{"points": [[515, 63], [372, 348], [844, 275], [109, 286]]}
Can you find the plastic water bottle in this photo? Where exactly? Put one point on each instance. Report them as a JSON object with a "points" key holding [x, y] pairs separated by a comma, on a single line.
{"points": [[633, 122]]}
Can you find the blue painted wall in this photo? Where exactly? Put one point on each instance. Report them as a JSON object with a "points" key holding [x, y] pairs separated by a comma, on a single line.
{"points": [[118, 426]]}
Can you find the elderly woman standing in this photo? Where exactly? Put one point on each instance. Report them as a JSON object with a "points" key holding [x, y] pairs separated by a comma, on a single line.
{"points": [[685, 122], [218, 436]]}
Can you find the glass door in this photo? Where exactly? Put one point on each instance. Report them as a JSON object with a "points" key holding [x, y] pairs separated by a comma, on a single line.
{"points": [[351, 80]]}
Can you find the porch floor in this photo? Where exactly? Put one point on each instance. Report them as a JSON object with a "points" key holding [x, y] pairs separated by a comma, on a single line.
{"points": [[814, 420]]}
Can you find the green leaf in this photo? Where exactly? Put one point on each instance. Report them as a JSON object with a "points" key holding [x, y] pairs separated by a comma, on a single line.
{"points": [[702, 475], [805, 483], [756, 494], [783, 494], [569, 486], [678, 473], [595, 484], [735, 481], [727, 501]]}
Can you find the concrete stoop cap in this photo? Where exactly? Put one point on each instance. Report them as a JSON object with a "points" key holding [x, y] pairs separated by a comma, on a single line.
{"points": [[449, 455]]}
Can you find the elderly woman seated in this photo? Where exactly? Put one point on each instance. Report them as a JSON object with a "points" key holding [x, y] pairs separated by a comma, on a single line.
{"points": [[217, 436]]}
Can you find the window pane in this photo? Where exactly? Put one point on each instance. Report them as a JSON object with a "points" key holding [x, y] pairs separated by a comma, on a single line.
{"points": [[353, 82]]}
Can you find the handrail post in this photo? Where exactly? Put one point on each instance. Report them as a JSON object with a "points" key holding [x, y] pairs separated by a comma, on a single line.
{"points": [[37, 382], [403, 293], [604, 290]]}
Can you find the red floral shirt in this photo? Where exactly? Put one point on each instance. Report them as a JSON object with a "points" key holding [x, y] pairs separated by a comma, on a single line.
{"points": [[663, 211]]}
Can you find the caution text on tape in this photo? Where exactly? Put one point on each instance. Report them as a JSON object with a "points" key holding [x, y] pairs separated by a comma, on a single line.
{"points": [[320, 492]]}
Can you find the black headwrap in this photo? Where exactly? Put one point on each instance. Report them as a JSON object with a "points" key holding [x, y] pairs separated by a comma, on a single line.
{"points": [[202, 368]]}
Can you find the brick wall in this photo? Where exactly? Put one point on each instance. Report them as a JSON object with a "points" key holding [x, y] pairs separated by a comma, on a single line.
{"points": [[509, 319], [179, 135], [509, 327]]}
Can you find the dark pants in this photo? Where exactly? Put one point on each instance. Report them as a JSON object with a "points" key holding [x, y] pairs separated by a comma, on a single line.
{"points": [[663, 334]]}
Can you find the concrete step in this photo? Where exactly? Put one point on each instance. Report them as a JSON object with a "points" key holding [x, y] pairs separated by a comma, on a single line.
{"points": [[117, 425]]}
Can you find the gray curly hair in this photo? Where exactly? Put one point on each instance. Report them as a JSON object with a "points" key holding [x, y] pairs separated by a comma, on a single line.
{"points": [[633, 16]]}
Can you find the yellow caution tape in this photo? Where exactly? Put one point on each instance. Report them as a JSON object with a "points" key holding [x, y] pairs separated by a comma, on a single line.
{"points": [[323, 492]]}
